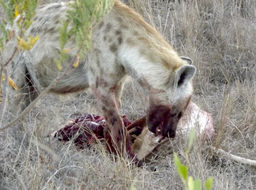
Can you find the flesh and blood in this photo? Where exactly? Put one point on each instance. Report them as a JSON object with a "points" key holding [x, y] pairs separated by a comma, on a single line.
{"points": [[89, 129]]}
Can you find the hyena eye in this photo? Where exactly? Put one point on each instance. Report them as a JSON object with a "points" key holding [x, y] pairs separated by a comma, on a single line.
{"points": [[177, 114], [174, 114]]}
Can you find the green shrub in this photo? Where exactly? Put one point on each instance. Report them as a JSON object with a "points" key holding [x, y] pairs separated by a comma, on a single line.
{"points": [[188, 181]]}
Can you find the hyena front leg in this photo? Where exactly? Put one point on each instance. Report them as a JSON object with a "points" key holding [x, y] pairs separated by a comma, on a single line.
{"points": [[115, 127], [119, 92]]}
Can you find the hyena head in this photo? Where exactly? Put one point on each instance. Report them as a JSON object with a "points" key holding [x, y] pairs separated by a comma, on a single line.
{"points": [[163, 116]]}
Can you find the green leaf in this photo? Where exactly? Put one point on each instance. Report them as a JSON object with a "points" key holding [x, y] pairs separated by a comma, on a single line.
{"points": [[191, 139], [9, 9], [1, 44], [3, 4], [4, 37], [190, 183], [83, 15], [208, 183], [182, 169], [197, 184], [58, 64]]}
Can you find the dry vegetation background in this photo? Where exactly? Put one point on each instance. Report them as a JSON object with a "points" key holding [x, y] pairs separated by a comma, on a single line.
{"points": [[220, 37]]}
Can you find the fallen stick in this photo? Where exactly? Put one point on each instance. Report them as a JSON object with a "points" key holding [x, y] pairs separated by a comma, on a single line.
{"points": [[234, 157]]}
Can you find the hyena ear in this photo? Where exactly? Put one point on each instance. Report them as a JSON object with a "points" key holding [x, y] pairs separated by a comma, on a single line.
{"points": [[184, 74], [187, 59]]}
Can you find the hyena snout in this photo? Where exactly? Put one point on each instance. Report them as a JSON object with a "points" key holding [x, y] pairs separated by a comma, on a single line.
{"points": [[170, 124], [162, 120]]}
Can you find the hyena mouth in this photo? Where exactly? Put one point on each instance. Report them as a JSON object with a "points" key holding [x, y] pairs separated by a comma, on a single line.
{"points": [[159, 132], [162, 120], [159, 129], [158, 136]]}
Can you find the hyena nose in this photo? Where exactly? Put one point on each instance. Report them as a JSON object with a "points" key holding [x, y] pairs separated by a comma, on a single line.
{"points": [[171, 133], [170, 126]]}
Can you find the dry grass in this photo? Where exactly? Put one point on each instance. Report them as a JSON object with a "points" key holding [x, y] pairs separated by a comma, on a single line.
{"points": [[220, 37]]}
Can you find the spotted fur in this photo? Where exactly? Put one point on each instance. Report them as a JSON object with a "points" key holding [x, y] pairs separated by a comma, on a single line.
{"points": [[123, 44]]}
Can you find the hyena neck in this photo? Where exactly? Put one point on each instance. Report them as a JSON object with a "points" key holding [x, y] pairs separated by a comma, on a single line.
{"points": [[143, 52]]}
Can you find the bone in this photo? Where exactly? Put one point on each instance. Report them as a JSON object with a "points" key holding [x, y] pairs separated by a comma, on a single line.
{"points": [[144, 141], [196, 117]]}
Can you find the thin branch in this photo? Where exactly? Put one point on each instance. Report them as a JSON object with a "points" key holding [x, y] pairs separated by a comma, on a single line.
{"points": [[9, 60], [234, 157], [41, 95]]}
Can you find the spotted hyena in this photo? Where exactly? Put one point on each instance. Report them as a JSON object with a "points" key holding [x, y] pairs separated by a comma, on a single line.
{"points": [[123, 44]]}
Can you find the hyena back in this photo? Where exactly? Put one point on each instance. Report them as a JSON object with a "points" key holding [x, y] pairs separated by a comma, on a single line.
{"points": [[122, 44]]}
